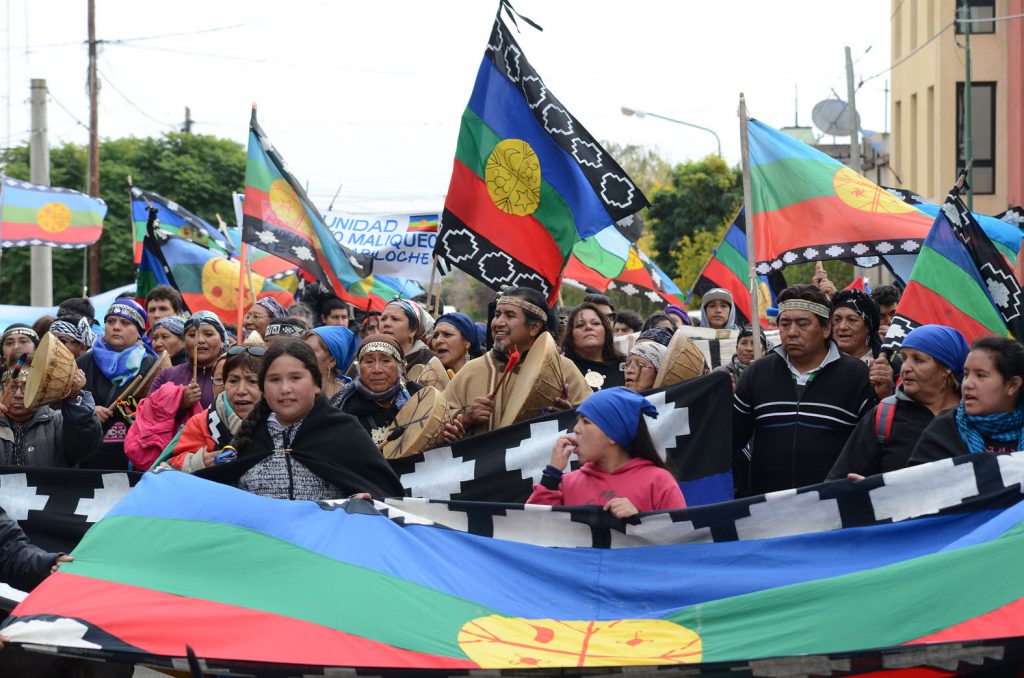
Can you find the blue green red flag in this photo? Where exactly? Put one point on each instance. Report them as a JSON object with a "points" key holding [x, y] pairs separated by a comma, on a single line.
{"points": [[528, 180], [31, 214], [960, 279], [175, 220], [279, 218], [810, 207]]}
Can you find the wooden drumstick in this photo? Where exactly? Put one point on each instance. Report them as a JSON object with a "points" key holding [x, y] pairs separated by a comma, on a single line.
{"points": [[195, 360], [127, 392]]}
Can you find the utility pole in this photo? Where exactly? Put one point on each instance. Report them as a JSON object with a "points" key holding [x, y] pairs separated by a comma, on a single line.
{"points": [[187, 127], [95, 279], [968, 116], [41, 287], [851, 106]]}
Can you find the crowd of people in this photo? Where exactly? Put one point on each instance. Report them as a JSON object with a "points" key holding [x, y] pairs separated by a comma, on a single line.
{"points": [[305, 404]]}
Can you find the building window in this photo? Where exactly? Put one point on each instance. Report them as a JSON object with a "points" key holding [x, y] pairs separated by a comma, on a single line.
{"points": [[979, 9], [983, 114]]}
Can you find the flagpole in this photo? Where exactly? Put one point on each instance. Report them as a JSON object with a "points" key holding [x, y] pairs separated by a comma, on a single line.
{"points": [[748, 206], [241, 293]]}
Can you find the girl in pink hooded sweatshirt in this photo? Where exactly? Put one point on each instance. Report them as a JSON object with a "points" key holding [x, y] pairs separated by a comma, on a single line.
{"points": [[621, 470]]}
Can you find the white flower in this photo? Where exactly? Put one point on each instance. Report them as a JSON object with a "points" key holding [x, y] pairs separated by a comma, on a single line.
{"points": [[267, 237], [303, 252]]}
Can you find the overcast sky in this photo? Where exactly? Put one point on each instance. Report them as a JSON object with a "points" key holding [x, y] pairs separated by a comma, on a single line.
{"points": [[368, 95]]}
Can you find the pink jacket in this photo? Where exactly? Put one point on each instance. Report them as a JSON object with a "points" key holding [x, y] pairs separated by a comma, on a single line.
{"points": [[647, 486], [156, 421]]}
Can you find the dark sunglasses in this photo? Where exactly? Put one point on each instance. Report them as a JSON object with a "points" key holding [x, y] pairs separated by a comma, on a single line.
{"points": [[257, 351]]}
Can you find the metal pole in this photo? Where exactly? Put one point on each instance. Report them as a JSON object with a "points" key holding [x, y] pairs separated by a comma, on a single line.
{"points": [[748, 208], [641, 114], [968, 116], [851, 107], [41, 285], [95, 279]]}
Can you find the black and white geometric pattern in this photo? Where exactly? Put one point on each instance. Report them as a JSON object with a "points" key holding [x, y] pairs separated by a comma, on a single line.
{"points": [[844, 250], [617, 191]]}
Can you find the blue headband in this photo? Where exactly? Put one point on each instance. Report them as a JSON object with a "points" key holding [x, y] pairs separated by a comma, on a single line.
{"points": [[341, 344], [943, 343], [464, 324], [617, 412], [130, 311], [172, 324]]}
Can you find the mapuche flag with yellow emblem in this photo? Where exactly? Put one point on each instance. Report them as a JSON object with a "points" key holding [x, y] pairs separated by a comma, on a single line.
{"points": [[31, 214], [528, 180], [279, 218], [810, 207]]}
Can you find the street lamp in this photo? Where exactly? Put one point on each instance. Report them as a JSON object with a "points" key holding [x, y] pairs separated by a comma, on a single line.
{"points": [[644, 114]]}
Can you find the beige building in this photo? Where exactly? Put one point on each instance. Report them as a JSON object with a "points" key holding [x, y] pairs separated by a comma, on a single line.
{"points": [[928, 74]]}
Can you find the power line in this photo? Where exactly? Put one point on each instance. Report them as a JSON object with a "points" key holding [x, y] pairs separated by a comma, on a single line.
{"points": [[912, 53], [132, 103], [65, 109]]}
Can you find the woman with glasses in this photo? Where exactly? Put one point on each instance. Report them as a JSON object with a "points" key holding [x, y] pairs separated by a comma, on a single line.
{"points": [[260, 315], [588, 344], [294, 445], [641, 366], [379, 390], [206, 434]]}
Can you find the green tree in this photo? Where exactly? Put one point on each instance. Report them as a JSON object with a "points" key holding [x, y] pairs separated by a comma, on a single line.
{"points": [[690, 255], [197, 171], [702, 196]]}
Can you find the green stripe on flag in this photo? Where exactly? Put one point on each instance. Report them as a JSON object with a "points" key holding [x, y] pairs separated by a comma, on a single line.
{"points": [[873, 608], [786, 182], [934, 271], [476, 142], [16, 214], [258, 172], [161, 554], [735, 261], [593, 255]]}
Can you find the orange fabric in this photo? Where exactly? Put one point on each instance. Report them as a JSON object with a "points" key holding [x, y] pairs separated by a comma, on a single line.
{"points": [[194, 436]]}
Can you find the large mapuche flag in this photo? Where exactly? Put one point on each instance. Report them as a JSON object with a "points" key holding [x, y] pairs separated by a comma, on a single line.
{"points": [[528, 180], [279, 218], [31, 214], [810, 207]]}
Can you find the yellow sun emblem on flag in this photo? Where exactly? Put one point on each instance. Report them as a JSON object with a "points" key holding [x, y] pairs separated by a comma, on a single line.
{"points": [[861, 194], [288, 209], [634, 262], [513, 177], [54, 217], [495, 642]]}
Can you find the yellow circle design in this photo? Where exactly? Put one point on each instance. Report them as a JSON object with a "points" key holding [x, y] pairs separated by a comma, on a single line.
{"points": [[513, 177], [54, 217], [220, 284], [497, 642], [861, 194], [288, 209]]}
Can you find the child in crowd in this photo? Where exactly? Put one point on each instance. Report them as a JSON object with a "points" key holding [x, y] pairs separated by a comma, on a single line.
{"points": [[621, 468], [717, 310]]}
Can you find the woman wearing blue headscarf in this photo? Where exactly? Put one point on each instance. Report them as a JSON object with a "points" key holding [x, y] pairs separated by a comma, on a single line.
{"points": [[931, 373], [455, 340], [335, 348]]}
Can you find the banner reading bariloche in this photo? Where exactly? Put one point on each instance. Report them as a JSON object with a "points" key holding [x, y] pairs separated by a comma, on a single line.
{"points": [[402, 245]]}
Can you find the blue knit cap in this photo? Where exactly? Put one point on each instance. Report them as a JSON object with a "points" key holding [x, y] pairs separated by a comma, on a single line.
{"points": [[617, 412], [943, 343], [130, 311], [464, 324]]}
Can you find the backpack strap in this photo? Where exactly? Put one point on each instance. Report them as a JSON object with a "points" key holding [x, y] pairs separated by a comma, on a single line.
{"points": [[885, 413]]}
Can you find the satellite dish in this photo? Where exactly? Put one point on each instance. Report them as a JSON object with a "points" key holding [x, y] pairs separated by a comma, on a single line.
{"points": [[832, 117]]}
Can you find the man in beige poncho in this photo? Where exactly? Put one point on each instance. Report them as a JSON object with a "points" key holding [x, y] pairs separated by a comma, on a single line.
{"points": [[520, 317]]}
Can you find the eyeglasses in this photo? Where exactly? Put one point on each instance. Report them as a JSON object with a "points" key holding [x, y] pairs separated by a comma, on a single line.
{"points": [[634, 366], [257, 351]]}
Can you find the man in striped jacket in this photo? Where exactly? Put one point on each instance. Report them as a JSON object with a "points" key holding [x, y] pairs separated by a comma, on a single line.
{"points": [[800, 402]]}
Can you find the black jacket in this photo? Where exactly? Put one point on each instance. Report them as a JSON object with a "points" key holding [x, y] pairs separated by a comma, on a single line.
{"points": [[941, 440], [609, 369], [111, 454], [330, 443], [22, 565], [863, 453], [369, 414], [797, 432]]}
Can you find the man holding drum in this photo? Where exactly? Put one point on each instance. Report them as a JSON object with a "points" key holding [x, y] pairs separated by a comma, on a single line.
{"points": [[483, 397]]}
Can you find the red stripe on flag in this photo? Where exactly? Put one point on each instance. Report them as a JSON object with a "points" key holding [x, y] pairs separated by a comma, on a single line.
{"points": [[522, 238], [1003, 622], [70, 236], [723, 276], [924, 306], [819, 222], [257, 205], [162, 623], [578, 271]]}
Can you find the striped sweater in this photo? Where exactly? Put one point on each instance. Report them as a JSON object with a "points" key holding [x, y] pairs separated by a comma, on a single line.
{"points": [[798, 431]]}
